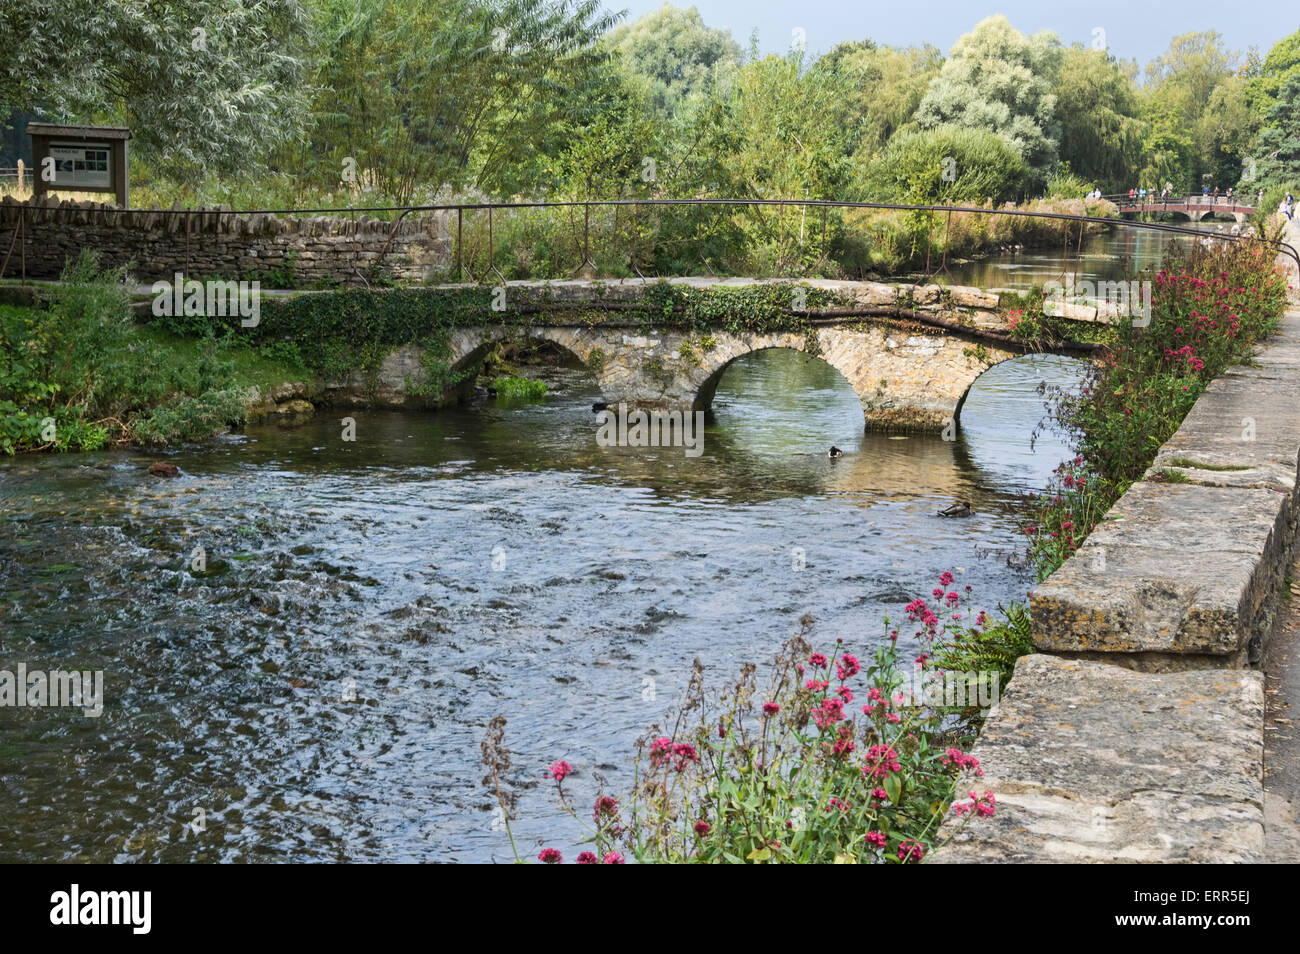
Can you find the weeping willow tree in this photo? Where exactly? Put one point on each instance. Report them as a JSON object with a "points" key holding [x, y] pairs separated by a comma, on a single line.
{"points": [[452, 93], [1098, 109]]}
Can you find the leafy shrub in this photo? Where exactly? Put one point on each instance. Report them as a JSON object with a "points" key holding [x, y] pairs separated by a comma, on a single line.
{"points": [[947, 164], [1209, 308], [191, 417], [80, 364]]}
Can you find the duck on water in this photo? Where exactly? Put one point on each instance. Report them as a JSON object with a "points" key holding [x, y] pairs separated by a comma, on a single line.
{"points": [[956, 510]]}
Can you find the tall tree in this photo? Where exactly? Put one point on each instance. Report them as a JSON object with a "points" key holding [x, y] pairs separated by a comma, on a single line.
{"points": [[1184, 102], [1098, 109], [883, 88], [459, 93], [1278, 146], [998, 79], [1267, 79], [206, 85], [673, 52], [784, 147]]}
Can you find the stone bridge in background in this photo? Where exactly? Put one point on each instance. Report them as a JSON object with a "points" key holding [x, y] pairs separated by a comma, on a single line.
{"points": [[911, 353]]}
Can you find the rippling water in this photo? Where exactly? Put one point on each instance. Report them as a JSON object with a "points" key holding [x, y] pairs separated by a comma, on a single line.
{"points": [[319, 693], [1110, 256]]}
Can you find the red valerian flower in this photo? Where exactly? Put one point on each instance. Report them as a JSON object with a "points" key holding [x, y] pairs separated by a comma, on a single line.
{"points": [[550, 856], [848, 667], [959, 759], [983, 805], [559, 771], [771, 708], [829, 712], [911, 850], [606, 808], [881, 760], [586, 858], [660, 749], [613, 858], [702, 828]]}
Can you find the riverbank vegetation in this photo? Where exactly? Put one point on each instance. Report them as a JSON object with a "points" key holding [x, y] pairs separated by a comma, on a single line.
{"points": [[383, 102], [1210, 307], [827, 759], [77, 374]]}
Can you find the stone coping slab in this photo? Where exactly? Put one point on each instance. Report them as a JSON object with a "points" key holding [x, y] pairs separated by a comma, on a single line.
{"points": [[1091, 762], [1245, 431], [1174, 569]]}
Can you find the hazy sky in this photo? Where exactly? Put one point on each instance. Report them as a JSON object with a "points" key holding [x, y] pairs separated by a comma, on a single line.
{"points": [[1138, 29]]}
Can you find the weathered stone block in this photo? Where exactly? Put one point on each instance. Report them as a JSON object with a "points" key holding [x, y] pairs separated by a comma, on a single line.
{"points": [[966, 297], [1096, 763], [1244, 432], [1174, 570]]}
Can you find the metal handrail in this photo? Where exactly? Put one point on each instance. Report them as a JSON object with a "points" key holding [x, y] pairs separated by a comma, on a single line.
{"points": [[461, 207]]}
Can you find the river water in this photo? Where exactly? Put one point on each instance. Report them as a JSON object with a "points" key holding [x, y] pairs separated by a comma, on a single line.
{"points": [[1109, 256], [320, 689]]}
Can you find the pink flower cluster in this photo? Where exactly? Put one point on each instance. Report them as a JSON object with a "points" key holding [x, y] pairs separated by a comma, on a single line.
{"points": [[665, 750], [882, 759], [829, 712], [962, 761], [982, 805], [878, 701], [911, 850]]}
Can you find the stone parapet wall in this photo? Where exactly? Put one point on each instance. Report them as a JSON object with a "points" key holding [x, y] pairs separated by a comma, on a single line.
{"points": [[208, 243], [1142, 738], [1187, 568]]}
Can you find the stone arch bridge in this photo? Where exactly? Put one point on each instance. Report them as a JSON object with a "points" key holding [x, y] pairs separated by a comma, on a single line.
{"points": [[911, 353]]}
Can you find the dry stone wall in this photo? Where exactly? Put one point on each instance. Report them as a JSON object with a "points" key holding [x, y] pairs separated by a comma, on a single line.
{"points": [[156, 244]]}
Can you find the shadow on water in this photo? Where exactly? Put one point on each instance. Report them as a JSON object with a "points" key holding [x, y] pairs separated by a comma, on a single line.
{"points": [[319, 690]]}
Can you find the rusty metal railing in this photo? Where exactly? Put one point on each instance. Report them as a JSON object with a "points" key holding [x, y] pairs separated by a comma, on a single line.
{"points": [[638, 207]]}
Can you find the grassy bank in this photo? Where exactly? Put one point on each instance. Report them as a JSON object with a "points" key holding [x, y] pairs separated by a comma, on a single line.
{"points": [[76, 373]]}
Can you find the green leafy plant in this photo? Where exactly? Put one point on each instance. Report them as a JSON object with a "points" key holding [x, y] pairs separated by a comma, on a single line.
{"points": [[519, 389]]}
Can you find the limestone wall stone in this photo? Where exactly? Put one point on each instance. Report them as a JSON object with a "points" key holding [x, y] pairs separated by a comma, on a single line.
{"points": [[156, 244], [1096, 763]]}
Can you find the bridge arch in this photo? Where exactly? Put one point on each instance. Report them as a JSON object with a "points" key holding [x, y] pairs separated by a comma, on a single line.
{"points": [[904, 380]]}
